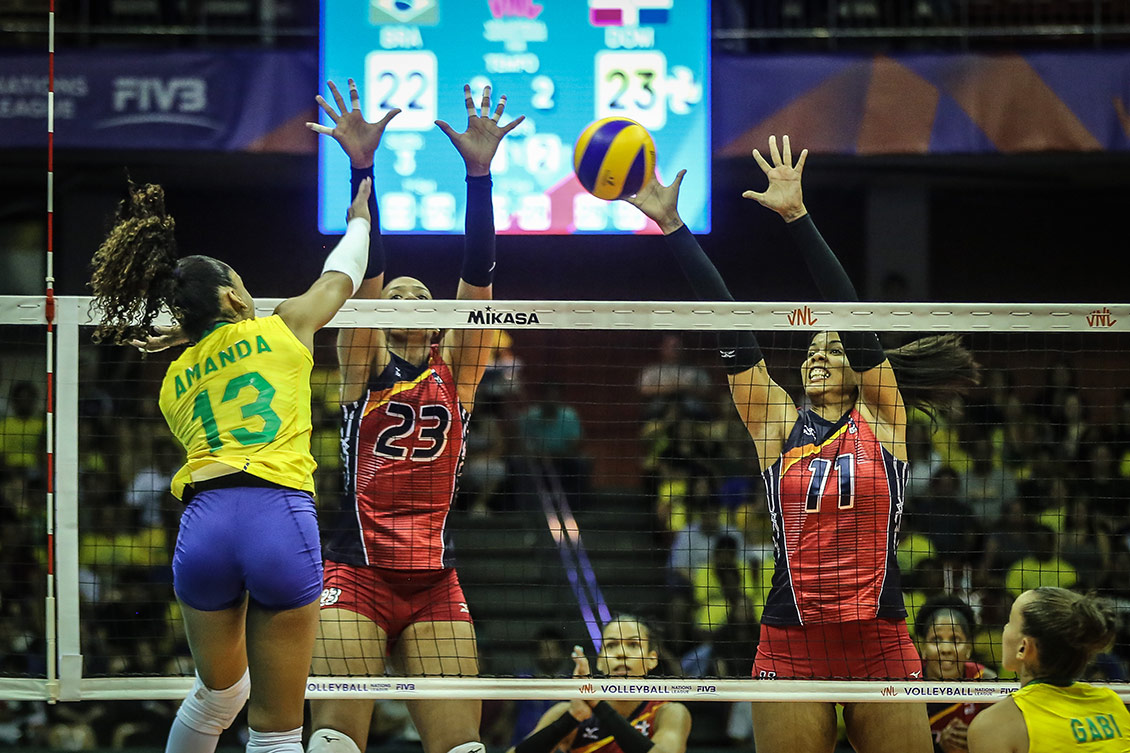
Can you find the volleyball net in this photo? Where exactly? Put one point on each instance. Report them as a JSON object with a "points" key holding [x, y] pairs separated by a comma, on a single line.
{"points": [[606, 472]]}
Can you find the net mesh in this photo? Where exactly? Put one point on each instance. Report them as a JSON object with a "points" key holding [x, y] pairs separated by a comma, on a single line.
{"points": [[606, 472]]}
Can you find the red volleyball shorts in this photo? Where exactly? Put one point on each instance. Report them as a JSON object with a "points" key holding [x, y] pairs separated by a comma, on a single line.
{"points": [[395, 599], [863, 650]]}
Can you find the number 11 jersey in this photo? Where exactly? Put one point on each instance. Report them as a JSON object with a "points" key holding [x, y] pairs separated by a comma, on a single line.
{"points": [[835, 498], [402, 446]]}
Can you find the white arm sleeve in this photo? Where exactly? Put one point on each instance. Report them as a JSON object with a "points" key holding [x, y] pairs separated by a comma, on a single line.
{"points": [[351, 254]]}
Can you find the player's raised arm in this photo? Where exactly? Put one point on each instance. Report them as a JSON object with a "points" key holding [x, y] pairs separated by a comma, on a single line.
{"points": [[765, 408], [359, 139], [465, 349]]}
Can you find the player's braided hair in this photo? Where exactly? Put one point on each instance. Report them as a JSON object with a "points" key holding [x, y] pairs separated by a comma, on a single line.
{"points": [[136, 273], [933, 371]]}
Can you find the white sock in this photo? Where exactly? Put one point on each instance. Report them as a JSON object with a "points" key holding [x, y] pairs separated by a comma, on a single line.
{"points": [[328, 740], [184, 739], [275, 742], [471, 747]]}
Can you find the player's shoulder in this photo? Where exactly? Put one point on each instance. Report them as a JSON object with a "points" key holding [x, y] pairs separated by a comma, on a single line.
{"points": [[998, 728]]}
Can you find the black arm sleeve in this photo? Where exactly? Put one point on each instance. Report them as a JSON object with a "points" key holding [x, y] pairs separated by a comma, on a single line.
{"points": [[376, 266], [738, 349], [547, 738], [478, 248], [862, 348], [630, 739]]}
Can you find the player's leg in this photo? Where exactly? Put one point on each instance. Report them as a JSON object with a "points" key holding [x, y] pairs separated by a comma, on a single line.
{"points": [[445, 648], [279, 646], [802, 727], [348, 644], [216, 639], [888, 727]]}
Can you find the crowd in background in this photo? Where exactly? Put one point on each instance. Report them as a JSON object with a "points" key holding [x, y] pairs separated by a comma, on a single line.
{"points": [[1017, 488]]}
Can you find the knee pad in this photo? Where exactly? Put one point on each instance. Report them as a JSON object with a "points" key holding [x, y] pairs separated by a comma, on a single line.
{"points": [[327, 740], [471, 747], [210, 712], [275, 742]]}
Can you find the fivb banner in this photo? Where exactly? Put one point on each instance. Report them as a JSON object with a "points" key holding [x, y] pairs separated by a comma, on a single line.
{"points": [[229, 101], [846, 104]]}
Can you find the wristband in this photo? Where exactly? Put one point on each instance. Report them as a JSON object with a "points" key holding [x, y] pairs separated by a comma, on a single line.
{"points": [[630, 739], [376, 264], [547, 738]]}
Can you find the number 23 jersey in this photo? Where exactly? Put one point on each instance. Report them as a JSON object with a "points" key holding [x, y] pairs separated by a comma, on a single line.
{"points": [[835, 498], [402, 446]]}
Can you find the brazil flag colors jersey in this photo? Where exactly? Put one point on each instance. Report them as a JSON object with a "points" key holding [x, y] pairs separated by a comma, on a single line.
{"points": [[241, 397], [1079, 717]]}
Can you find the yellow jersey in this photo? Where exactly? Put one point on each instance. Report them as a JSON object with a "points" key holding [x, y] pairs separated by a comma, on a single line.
{"points": [[1079, 717], [241, 397]]}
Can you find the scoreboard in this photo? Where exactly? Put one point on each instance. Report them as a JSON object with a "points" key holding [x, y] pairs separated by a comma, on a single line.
{"points": [[561, 63]]}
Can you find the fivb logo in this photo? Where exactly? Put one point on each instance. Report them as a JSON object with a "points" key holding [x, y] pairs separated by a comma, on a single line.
{"points": [[153, 99]]}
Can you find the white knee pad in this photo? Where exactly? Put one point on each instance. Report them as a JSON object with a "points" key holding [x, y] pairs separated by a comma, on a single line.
{"points": [[210, 712], [275, 742], [327, 740], [472, 747]]}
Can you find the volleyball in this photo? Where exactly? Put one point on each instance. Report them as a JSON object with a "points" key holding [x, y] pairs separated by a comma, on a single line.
{"points": [[614, 157]]}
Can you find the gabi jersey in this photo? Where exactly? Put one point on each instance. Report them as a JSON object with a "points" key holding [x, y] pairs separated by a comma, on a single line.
{"points": [[1077, 717], [835, 500], [402, 447], [590, 738], [241, 396]]}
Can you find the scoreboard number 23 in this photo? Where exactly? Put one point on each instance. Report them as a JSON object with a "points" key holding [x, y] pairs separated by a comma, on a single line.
{"points": [[632, 85]]}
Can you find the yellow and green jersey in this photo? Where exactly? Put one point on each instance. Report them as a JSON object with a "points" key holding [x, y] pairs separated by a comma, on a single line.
{"points": [[241, 397], [1078, 717]]}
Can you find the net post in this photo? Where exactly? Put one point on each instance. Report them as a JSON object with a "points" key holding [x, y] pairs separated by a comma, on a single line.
{"points": [[68, 648]]}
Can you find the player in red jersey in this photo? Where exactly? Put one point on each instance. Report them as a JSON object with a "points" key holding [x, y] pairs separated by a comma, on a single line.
{"points": [[407, 396], [944, 627], [835, 471], [626, 650]]}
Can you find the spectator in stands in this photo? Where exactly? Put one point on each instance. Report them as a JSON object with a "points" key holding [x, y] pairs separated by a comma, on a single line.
{"points": [[550, 429], [985, 486], [944, 515], [148, 492], [23, 444], [672, 379], [722, 587], [551, 659], [945, 629], [1043, 566], [1071, 432], [626, 650], [1060, 380], [923, 458], [502, 380], [485, 467], [692, 550]]}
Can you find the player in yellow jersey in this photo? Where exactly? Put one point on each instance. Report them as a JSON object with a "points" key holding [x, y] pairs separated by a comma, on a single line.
{"points": [[1051, 636], [247, 569]]}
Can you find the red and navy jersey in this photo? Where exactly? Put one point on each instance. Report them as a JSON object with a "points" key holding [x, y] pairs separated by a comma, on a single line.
{"points": [[590, 737], [835, 498], [402, 445], [941, 714]]}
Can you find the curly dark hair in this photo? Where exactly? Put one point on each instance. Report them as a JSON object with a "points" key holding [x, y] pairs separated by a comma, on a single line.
{"points": [[136, 273]]}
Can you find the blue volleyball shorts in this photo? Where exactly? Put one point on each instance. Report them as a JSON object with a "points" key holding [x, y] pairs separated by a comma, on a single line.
{"points": [[262, 541]]}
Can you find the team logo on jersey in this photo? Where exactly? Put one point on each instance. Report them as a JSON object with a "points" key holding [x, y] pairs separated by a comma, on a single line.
{"points": [[589, 733], [643, 726], [330, 597], [809, 431]]}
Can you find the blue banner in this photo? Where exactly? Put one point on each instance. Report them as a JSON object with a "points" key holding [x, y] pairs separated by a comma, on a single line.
{"points": [[848, 104], [226, 101]]}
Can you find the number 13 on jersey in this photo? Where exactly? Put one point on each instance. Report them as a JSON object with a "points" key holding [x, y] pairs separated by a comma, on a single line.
{"points": [[632, 85]]}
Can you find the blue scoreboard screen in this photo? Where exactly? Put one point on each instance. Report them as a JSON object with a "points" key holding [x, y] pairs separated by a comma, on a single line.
{"points": [[561, 63]]}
